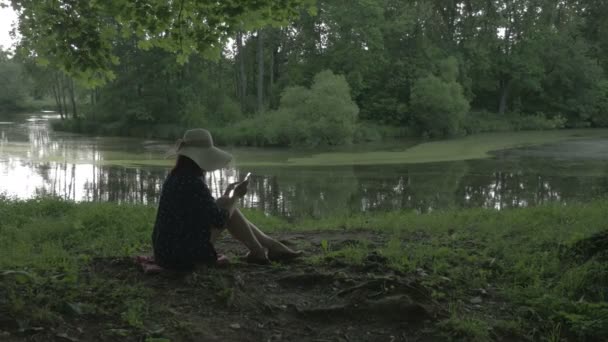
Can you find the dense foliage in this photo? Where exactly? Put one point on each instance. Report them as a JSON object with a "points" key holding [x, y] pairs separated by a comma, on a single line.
{"points": [[12, 89], [79, 36], [321, 115], [432, 68]]}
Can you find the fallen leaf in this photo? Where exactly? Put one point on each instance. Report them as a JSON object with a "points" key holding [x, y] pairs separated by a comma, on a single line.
{"points": [[80, 308], [157, 339], [476, 300], [67, 337], [119, 332]]}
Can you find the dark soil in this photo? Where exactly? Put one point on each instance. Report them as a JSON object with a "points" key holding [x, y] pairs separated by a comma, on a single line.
{"points": [[298, 301]]}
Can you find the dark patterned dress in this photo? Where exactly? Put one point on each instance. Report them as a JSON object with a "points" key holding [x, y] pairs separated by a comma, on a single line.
{"points": [[186, 213]]}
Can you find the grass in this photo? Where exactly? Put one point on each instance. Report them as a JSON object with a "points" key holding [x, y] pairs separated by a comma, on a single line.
{"points": [[514, 255]]}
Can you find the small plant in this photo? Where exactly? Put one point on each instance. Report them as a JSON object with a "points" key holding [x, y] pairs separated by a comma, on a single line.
{"points": [[157, 339], [325, 246], [353, 253], [470, 329], [555, 333], [134, 315], [226, 295]]}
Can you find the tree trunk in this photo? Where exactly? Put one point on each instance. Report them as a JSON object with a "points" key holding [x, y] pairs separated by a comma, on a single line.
{"points": [[54, 89], [242, 75], [220, 82], [93, 102], [72, 98], [271, 71], [505, 90], [62, 86], [260, 58]]}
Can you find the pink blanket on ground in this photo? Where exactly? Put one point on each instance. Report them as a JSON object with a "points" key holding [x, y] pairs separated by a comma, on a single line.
{"points": [[149, 266]]}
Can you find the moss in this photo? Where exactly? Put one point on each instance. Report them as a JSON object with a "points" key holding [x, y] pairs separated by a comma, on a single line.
{"points": [[472, 147]]}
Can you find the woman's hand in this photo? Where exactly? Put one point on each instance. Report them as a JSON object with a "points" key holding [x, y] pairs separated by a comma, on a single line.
{"points": [[241, 189], [224, 202], [228, 203], [230, 187]]}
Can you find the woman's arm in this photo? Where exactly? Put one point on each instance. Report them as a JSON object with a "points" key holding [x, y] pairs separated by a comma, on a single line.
{"points": [[215, 211], [227, 203]]}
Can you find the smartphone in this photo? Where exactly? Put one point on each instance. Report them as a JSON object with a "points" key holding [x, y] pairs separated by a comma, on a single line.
{"points": [[247, 177]]}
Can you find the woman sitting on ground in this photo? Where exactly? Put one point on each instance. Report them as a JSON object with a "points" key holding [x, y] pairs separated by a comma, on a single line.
{"points": [[189, 219]]}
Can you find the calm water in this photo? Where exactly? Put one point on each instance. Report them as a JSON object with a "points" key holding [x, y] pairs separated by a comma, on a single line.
{"points": [[34, 160]]}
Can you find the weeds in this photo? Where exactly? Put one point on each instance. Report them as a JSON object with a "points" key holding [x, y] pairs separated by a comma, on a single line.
{"points": [[135, 314], [45, 244]]}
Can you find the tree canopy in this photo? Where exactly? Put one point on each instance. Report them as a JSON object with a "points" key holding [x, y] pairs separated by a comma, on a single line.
{"points": [[432, 68], [80, 36]]}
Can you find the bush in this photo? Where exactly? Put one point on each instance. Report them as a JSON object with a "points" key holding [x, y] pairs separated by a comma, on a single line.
{"points": [[599, 118], [327, 110], [12, 85], [248, 132], [538, 121], [479, 122], [438, 104], [224, 111], [325, 114], [371, 132]]}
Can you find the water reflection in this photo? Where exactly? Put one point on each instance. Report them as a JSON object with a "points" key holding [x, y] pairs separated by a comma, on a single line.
{"points": [[36, 161]]}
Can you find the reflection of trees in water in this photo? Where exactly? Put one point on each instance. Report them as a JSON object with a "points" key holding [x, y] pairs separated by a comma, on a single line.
{"points": [[501, 190], [59, 179], [41, 144], [319, 192], [130, 185], [422, 188], [97, 183], [306, 191], [315, 192], [528, 182]]}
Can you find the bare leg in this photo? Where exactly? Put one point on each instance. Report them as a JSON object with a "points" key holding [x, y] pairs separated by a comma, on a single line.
{"points": [[275, 247], [239, 228]]}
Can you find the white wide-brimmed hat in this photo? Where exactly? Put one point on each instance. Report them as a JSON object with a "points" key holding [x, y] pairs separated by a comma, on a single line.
{"points": [[197, 145]]}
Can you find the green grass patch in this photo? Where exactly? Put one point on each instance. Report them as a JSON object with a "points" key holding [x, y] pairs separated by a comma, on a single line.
{"points": [[517, 255]]}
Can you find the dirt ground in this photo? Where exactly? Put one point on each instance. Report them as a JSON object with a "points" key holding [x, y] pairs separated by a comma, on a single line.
{"points": [[296, 301]]}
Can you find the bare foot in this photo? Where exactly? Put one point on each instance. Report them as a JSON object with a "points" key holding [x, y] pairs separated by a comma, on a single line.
{"points": [[284, 255], [255, 259]]}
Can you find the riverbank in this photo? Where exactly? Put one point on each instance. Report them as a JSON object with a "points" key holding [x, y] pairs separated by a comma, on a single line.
{"points": [[477, 146], [472, 274], [28, 105], [259, 132]]}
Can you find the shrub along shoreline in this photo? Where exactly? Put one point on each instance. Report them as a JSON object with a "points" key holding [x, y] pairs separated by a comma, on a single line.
{"points": [[323, 114], [257, 132], [520, 255]]}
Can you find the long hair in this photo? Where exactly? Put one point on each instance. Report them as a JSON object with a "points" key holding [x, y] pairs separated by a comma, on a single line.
{"points": [[187, 165]]}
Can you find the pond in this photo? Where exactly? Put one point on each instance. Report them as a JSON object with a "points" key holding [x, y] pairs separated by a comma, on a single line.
{"points": [[501, 170]]}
